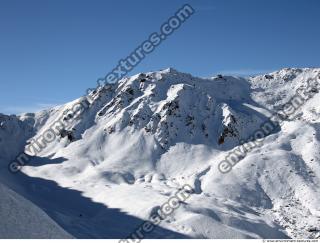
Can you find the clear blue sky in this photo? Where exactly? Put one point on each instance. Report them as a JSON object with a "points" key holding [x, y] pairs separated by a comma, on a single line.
{"points": [[51, 51]]}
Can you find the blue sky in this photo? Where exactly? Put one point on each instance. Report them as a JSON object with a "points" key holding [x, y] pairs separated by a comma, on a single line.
{"points": [[51, 51]]}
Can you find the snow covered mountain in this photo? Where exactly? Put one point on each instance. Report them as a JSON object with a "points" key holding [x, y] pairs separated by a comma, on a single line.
{"points": [[147, 135]]}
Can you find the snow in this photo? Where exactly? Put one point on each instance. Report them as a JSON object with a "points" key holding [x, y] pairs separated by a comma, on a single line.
{"points": [[22, 219], [149, 134]]}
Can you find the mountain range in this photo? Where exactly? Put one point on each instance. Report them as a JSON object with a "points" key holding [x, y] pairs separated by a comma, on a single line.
{"points": [[145, 136]]}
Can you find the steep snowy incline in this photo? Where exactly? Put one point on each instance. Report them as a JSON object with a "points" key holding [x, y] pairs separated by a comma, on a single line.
{"points": [[21, 219]]}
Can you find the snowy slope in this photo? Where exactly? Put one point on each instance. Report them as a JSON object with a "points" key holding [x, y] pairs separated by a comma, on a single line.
{"points": [[21, 219], [148, 134]]}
